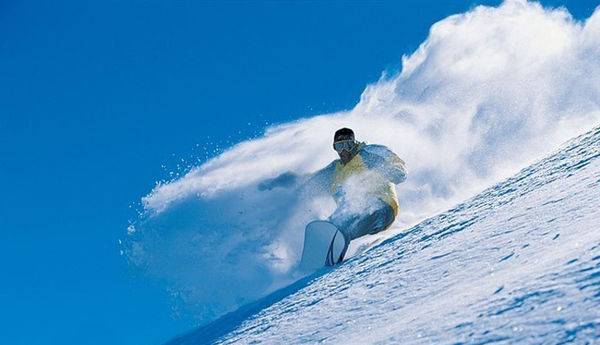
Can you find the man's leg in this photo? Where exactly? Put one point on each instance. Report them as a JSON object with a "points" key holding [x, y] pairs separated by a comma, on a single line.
{"points": [[344, 221], [358, 225], [370, 223]]}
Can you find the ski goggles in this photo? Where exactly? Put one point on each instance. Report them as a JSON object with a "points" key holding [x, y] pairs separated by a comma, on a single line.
{"points": [[342, 145]]}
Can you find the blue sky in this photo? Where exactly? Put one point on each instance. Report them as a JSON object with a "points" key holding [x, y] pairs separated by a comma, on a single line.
{"points": [[96, 97]]}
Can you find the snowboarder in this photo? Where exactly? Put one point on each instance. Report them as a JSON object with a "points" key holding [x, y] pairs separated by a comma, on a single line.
{"points": [[362, 183]]}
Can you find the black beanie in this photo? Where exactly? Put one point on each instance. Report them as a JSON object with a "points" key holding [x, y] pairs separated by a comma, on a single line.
{"points": [[343, 132]]}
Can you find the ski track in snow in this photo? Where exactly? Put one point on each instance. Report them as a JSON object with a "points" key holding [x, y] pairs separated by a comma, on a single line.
{"points": [[518, 264]]}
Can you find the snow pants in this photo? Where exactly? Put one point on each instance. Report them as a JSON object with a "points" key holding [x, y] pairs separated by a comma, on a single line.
{"points": [[377, 218]]}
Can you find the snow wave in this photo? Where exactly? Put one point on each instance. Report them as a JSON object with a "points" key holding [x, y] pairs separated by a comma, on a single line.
{"points": [[517, 264], [486, 94]]}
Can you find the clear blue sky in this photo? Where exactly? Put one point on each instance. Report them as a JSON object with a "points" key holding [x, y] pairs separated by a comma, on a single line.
{"points": [[95, 96]]}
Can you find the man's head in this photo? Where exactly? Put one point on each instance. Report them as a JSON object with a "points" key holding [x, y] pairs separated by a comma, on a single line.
{"points": [[344, 144]]}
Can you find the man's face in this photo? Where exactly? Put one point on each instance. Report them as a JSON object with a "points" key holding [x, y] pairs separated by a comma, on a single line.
{"points": [[345, 156], [345, 148]]}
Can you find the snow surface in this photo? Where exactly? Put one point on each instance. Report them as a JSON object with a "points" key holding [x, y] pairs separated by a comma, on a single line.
{"points": [[489, 92], [519, 264]]}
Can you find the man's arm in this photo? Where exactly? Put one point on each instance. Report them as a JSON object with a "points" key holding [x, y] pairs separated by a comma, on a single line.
{"points": [[320, 180], [285, 180], [380, 158], [315, 182]]}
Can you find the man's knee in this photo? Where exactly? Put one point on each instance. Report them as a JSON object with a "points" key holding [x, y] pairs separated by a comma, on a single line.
{"points": [[359, 225], [384, 218]]}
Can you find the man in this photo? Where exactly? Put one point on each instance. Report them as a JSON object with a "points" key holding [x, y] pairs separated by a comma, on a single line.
{"points": [[362, 184]]}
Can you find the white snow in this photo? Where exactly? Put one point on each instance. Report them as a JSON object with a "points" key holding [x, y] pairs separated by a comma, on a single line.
{"points": [[519, 264], [486, 94]]}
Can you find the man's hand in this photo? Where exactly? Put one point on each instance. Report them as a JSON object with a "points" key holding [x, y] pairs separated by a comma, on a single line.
{"points": [[285, 180]]}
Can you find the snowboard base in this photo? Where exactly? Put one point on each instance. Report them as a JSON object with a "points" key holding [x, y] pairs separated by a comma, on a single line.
{"points": [[324, 245]]}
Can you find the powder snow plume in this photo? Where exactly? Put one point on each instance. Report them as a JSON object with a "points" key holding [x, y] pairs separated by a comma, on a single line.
{"points": [[486, 94]]}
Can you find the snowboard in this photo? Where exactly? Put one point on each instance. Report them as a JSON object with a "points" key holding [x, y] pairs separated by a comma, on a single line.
{"points": [[323, 245]]}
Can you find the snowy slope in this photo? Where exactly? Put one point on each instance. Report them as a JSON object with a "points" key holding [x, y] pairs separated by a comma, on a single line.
{"points": [[519, 263], [480, 99]]}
